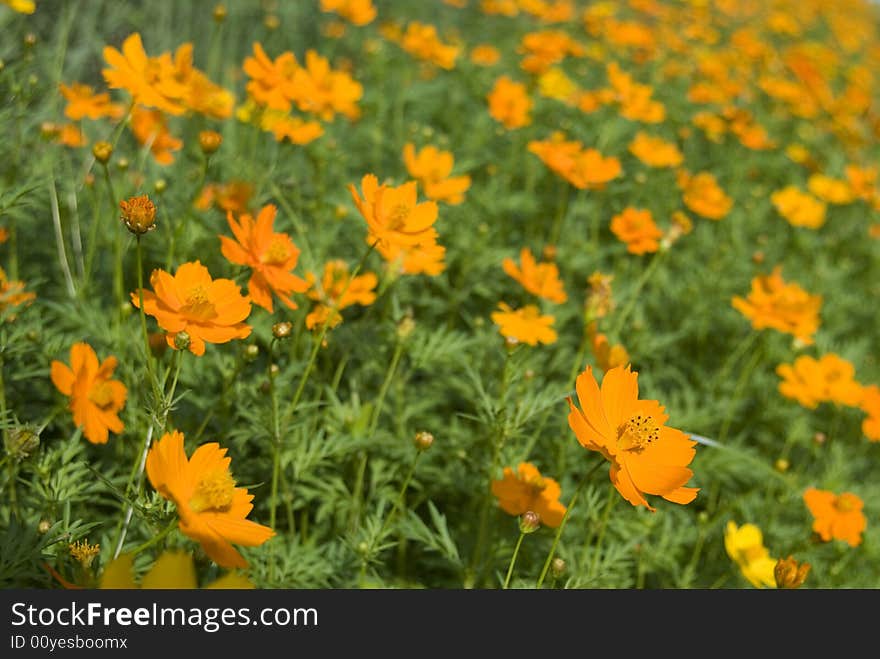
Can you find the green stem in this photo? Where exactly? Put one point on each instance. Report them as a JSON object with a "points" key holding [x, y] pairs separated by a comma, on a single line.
{"points": [[513, 560], [276, 440], [156, 539], [223, 392], [594, 564], [561, 210], [148, 354], [620, 320], [118, 287], [740, 385], [561, 526]]}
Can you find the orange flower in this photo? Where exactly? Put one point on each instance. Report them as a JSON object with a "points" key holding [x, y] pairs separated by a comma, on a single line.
{"points": [[829, 379], [393, 215], [646, 456], [199, 93], [271, 81], [485, 54], [637, 229], [786, 307], [509, 103], [294, 129], [870, 405], [655, 151], [357, 12], [336, 291], [12, 295], [541, 279], [702, 194], [271, 256], [863, 182], [593, 171], [230, 196], [836, 516], [95, 399], [207, 310], [421, 41], [799, 208], [557, 153], [68, 134], [211, 508], [832, 190], [149, 80], [527, 490], [607, 356], [525, 324], [83, 102], [320, 90], [432, 167], [151, 128], [417, 260]]}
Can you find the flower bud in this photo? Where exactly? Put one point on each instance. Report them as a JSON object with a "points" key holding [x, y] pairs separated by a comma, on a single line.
{"points": [[529, 522], [44, 526], [511, 342], [790, 574], [282, 330], [219, 13], [210, 141], [102, 151], [122, 164], [160, 185], [557, 567], [22, 441], [138, 214], [423, 440], [781, 465], [405, 327], [181, 341], [84, 553], [251, 352], [158, 344]]}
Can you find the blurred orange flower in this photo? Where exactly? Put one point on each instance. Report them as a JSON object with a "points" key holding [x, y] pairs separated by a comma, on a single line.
{"points": [[541, 279], [525, 324], [786, 307], [811, 381], [95, 398], [485, 54], [836, 516], [592, 171], [271, 81], [150, 127], [208, 310], [393, 214], [12, 295], [800, 209], [83, 102], [357, 12], [233, 195], [149, 80], [702, 194], [424, 259], [636, 228], [337, 290], [655, 151], [870, 405], [211, 508], [607, 356], [322, 91], [526, 490], [432, 168], [646, 456], [832, 190], [271, 256], [421, 41], [509, 103]]}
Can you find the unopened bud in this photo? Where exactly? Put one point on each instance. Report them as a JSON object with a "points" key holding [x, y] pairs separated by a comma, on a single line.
{"points": [[210, 141], [271, 22], [122, 164], [219, 13], [21, 442], [781, 465], [820, 438], [102, 151], [423, 440], [84, 553], [790, 574], [550, 252], [511, 342], [251, 352], [138, 214], [529, 522], [30, 40], [282, 330], [557, 567], [44, 526], [160, 185], [405, 327], [181, 341]]}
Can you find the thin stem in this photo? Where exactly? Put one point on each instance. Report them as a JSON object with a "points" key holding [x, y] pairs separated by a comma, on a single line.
{"points": [[154, 384], [513, 560], [225, 390], [561, 526], [276, 440], [561, 211], [594, 564], [117, 244], [634, 294], [155, 539], [740, 385], [122, 527], [59, 240]]}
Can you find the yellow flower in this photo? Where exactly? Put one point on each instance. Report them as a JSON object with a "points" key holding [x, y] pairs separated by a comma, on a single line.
{"points": [[525, 324], [172, 570], [745, 545]]}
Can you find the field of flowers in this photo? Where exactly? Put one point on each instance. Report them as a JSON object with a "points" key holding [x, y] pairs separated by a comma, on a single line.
{"points": [[445, 294]]}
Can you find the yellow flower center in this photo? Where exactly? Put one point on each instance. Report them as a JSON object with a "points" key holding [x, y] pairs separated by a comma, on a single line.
{"points": [[277, 252], [536, 484], [198, 305], [214, 492], [397, 217], [637, 433], [751, 554], [844, 504], [101, 395]]}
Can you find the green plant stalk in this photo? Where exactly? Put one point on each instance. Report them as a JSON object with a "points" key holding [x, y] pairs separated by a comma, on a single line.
{"points": [[603, 525], [223, 392], [154, 383], [276, 439], [561, 211], [513, 560], [93, 239], [740, 385], [156, 539], [561, 526], [118, 286], [357, 494], [620, 320], [13, 496]]}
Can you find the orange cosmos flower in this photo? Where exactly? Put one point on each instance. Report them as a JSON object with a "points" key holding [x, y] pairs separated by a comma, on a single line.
{"points": [[541, 279], [702, 194], [863, 182], [212, 509], [637, 229], [870, 405], [646, 456], [286, 127], [82, 102], [271, 81], [592, 171], [337, 290], [271, 256], [95, 399], [607, 356], [357, 12], [207, 310], [432, 167], [799, 208], [232, 196], [832, 190], [829, 379], [485, 55], [655, 151], [421, 41], [149, 80], [836, 516], [557, 153], [509, 103], [12, 295], [525, 324], [69, 135], [200, 93], [320, 90], [393, 215], [151, 127], [417, 260], [786, 307], [524, 490]]}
